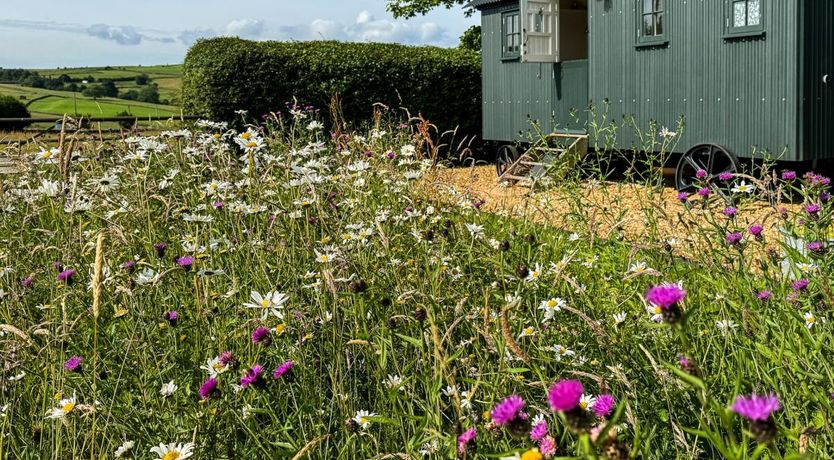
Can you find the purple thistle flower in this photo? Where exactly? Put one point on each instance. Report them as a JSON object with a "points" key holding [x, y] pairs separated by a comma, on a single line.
{"points": [[815, 246], [209, 389], [284, 370], [73, 364], [218, 205], [539, 431], [755, 407], [260, 336], [603, 406], [683, 197], [66, 276], [825, 197], [788, 175], [700, 174], [507, 410], [756, 230], [764, 295], [725, 176], [730, 212], [253, 376], [564, 396], [159, 249], [26, 282], [704, 192], [800, 285], [734, 238], [466, 440], [812, 208], [683, 361], [665, 295], [390, 155], [185, 262]]}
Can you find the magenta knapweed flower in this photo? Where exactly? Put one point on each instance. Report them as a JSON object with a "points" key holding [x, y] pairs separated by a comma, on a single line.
{"points": [[755, 407], [800, 285], [284, 370], [26, 282], [209, 389], [683, 197], [129, 265], [466, 440], [788, 175], [507, 410], [764, 295], [756, 230], [185, 262], [260, 335], [564, 395], [547, 447], [815, 246], [734, 238], [603, 406], [700, 174], [159, 249], [253, 376], [730, 212], [664, 296], [226, 358], [73, 364], [66, 276], [172, 317], [812, 208], [539, 430], [704, 192], [725, 176]]}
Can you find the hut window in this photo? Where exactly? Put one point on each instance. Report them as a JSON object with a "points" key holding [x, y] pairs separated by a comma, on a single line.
{"points": [[510, 35], [651, 19], [744, 17], [746, 13]]}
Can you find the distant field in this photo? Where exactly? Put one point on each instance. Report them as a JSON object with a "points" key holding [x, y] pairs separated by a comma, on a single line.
{"points": [[42, 102]]}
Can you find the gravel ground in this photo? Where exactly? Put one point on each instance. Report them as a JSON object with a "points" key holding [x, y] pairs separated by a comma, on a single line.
{"points": [[615, 209]]}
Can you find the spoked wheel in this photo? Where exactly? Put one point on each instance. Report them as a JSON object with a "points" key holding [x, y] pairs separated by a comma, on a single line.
{"points": [[507, 155], [714, 159]]}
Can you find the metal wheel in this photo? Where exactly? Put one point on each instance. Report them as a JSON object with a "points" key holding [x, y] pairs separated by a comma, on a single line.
{"points": [[506, 156], [712, 158]]}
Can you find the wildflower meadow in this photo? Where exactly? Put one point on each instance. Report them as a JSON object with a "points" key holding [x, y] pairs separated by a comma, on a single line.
{"points": [[271, 289]]}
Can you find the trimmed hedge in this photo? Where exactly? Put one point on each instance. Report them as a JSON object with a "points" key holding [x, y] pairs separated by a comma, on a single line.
{"points": [[222, 75], [12, 108]]}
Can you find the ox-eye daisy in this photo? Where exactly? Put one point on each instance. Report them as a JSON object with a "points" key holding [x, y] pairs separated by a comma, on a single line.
{"points": [[363, 418], [271, 302], [550, 307], [173, 451], [65, 406]]}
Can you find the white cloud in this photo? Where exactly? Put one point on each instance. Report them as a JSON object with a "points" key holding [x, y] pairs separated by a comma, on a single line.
{"points": [[245, 28]]}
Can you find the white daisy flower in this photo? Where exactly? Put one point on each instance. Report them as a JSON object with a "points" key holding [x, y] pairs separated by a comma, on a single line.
{"points": [[122, 450], [168, 389], [65, 406], [173, 451], [363, 418], [270, 303]]}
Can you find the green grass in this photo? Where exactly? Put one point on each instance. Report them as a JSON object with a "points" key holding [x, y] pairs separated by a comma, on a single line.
{"points": [[49, 103], [403, 299]]}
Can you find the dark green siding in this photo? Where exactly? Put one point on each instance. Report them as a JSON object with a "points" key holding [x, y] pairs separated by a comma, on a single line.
{"points": [[740, 92], [514, 93], [818, 61]]}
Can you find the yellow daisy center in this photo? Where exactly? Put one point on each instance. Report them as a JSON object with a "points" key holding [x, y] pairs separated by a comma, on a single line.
{"points": [[246, 135], [264, 303], [68, 407], [363, 420], [551, 303], [216, 135], [528, 331], [47, 154], [583, 404], [658, 310], [252, 144], [171, 456], [811, 319]]}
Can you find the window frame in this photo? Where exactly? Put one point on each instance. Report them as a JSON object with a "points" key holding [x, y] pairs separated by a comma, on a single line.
{"points": [[731, 30], [505, 54], [661, 39]]}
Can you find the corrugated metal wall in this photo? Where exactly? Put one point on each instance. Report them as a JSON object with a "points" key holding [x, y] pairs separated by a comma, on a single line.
{"points": [[514, 92], [817, 62], [740, 92]]}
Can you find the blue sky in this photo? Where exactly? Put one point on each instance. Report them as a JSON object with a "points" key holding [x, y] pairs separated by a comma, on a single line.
{"points": [[73, 33]]}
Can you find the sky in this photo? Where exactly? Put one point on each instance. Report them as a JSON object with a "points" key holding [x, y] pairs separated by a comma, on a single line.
{"points": [[78, 33]]}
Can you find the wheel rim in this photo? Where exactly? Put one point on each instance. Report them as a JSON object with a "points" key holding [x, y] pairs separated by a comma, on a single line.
{"points": [[506, 156], [712, 158]]}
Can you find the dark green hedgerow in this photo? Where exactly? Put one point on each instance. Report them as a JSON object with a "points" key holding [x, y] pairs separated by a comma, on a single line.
{"points": [[223, 75]]}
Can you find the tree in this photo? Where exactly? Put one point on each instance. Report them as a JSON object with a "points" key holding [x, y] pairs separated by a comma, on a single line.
{"points": [[130, 95], [471, 39], [12, 108], [109, 89], [142, 79], [149, 94], [411, 8]]}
